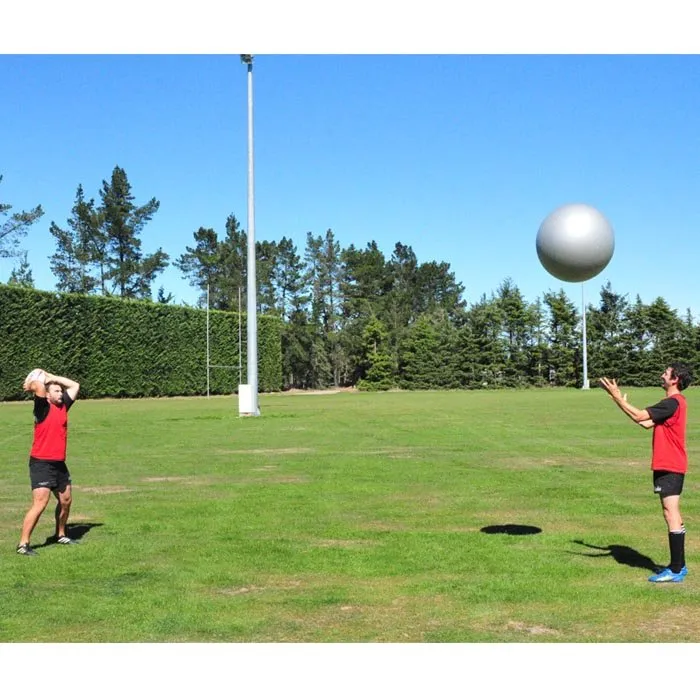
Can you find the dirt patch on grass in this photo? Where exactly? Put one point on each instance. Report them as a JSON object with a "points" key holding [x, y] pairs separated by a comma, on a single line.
{"points": [[270, 586], [103, 490], [401, 619], [422, 498], [269, 477], [271, 451], [379, 526], [281, 479], [240, 591], [671, 624], [185, 480], [389, 453], [342, 544], [166, 478], [334, 608], [565, 461], [534, 630]]}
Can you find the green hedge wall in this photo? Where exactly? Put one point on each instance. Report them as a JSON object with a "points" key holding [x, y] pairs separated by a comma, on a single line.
{"points": [[123, 348]]}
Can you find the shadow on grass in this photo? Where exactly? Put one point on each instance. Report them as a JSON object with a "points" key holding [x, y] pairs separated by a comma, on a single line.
{"points": [[76, 531], [510, 529], [621, 554]]}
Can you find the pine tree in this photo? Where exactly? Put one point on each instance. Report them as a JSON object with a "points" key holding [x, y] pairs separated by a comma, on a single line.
{"points": [[639, 368], [288, 278], [13, 230], [130, 272], [163, 297], [265, 262], [565, 351], [218, 265], [22, 276], [518, 333], [605, 334], [481, 349], [200, 265], [79, 260], [427, 354], [377, 364], [364, 282]]}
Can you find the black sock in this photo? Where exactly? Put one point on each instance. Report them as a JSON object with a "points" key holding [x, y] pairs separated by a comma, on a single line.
{"points": [[676, 543]]}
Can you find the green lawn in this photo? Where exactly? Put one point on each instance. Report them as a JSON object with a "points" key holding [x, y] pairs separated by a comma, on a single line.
{"points": [[351, 517]]}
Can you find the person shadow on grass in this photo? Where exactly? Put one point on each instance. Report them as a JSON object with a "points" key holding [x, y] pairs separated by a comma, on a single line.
{"points": [[75, 531], [621, 554]]}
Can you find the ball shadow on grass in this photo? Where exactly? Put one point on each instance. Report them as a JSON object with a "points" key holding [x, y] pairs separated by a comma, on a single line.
{"points": [[511, 529]]}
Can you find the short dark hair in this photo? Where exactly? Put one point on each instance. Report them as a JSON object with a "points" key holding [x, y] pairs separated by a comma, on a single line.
{"points": [[682, 373], [50, 382]]}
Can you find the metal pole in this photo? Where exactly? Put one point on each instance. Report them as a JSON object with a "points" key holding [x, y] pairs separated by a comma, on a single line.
{"points": [[252, 327], [240, 340], [207, 341], [583, 333]]}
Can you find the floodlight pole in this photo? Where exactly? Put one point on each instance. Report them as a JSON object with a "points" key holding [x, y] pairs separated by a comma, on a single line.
{"points": [[208, 357], [240, 340], [250, 406], [586, 385]]}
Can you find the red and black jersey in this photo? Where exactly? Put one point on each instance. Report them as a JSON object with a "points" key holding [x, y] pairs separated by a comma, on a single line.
{"points": [[50, 428], [668, 445]]}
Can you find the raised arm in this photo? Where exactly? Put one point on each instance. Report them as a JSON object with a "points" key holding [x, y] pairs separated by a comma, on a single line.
{"points": [[639, 416], [72, 387]]}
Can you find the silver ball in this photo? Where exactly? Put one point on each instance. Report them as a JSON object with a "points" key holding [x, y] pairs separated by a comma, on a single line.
{"points": [[575, 242]]}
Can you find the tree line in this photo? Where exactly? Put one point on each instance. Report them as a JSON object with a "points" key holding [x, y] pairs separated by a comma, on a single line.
{"points": [[355, 316]]}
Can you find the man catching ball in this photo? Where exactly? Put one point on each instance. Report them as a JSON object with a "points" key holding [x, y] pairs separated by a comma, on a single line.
{"points": [[669, 458]]}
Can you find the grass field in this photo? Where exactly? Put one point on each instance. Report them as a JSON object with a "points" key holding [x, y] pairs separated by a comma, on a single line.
{"points": [[350, 518]]}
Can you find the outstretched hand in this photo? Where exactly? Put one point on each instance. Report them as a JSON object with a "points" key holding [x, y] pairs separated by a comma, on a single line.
{"points": [[610, 385]]}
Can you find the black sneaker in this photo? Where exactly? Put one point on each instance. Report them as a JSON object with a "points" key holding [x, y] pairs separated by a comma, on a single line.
{"points": [[65, 540], [26, 550]]}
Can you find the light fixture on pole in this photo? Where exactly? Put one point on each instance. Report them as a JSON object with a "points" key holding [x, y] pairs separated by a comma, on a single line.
{"points": [[248, 393]]}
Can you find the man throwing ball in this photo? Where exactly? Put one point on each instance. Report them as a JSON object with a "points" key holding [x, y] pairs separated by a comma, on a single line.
{"points": [[669, 459], [48, 473]]}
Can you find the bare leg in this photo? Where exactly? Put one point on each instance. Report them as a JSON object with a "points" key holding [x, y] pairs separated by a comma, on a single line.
{"points": [[65, 499], [40, 499], [672, 512]]}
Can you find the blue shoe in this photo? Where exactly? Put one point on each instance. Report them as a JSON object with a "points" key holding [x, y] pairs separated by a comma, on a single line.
{"points": [[667, 576]]}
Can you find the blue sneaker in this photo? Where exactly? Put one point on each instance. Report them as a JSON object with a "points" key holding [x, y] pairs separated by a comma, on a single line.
{"points": [[667, 576]]}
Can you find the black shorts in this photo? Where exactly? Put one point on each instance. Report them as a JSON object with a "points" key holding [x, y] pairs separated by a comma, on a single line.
{"points": [[48, 474], [668, 483]]}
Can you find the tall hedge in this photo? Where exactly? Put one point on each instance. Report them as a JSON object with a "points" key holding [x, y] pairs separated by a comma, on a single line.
{"points": [[123, 348]]}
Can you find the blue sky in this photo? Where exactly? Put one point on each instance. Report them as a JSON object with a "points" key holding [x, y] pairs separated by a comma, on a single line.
{"points": [[458, 156], [459, 153]]}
